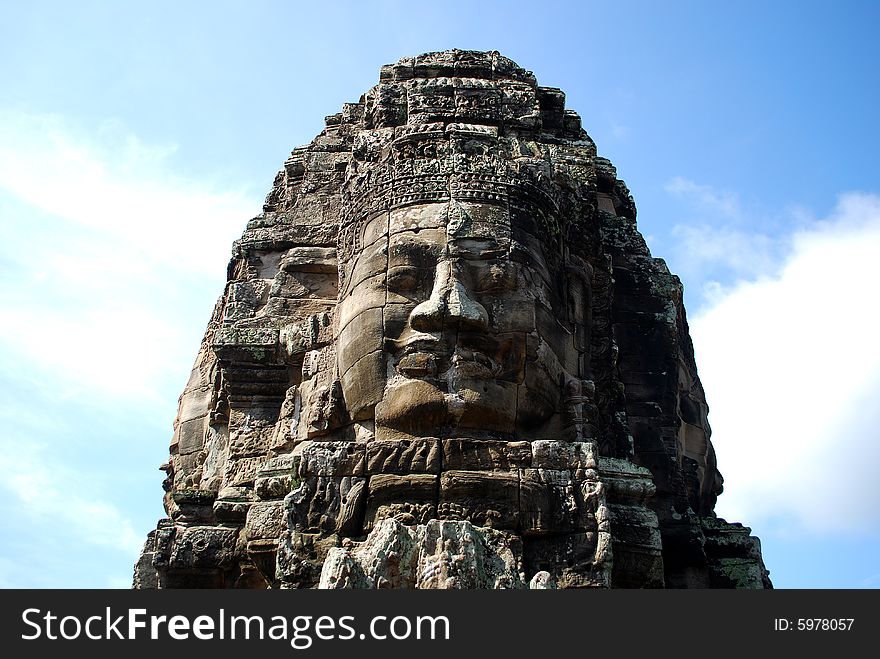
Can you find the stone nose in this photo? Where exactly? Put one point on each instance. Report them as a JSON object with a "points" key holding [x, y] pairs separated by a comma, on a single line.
{"points": [[450, 302]]}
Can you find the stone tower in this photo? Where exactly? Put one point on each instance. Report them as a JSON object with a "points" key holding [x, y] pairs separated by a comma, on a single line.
{"points": [[445, 358]]}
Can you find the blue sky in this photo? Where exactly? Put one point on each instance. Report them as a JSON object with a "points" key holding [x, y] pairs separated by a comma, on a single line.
{"points": [[136, 139]]}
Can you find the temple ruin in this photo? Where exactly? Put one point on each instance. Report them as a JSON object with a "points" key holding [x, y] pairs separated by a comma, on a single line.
{"points": [[445, 358]]}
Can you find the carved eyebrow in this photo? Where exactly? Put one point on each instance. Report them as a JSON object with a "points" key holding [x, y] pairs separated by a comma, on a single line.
{"points": [[416, 252], [477, 248]]}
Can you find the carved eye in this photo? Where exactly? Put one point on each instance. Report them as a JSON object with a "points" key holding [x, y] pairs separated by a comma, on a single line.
{"points": [[404, 278]]}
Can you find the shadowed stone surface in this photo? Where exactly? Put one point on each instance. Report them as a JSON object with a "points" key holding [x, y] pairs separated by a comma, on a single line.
{"points": [[445, 358]]}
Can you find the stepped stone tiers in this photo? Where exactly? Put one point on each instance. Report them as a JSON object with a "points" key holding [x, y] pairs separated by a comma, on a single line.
{"points": [[445, 358]]}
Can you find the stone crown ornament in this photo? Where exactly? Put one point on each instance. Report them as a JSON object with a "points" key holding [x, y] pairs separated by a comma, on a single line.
{"points": [[445, 358]]}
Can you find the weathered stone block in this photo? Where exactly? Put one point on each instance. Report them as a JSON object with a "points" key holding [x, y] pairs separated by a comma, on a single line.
{"points": [[253, 437], [310, 259], [403, 456], [330, 458], [241, 471], [556, 454], [232, 504], [265, 520], [190, 435], [410, 499], [436, 555], [362, 385], [361, 336], [485, 498], [276, 477], [327, 504], [553, 501], [196, 402], [300, 557], [204, 547], [273, 487], [573, 560], [485, 455]]}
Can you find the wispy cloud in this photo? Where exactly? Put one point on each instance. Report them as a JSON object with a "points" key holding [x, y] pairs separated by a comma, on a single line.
{"points": [[716, 242], [717, 202], [871, 582], [723, 250], [60, 517], [791, 366], [104, 246], [110, 261], [52, 494], [112, 182]]}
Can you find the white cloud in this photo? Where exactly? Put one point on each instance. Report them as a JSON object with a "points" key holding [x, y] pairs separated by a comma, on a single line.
{"points": [[65, 521], [9, 569], [871, 582], [791, 367], [110, 262], [706, 249], [106, 253], [716, 244], [112, 182], [51, 495], [705, 197]]}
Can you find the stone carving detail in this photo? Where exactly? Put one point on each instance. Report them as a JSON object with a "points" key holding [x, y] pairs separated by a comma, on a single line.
{"points": [[440, 554], [446, 359]]}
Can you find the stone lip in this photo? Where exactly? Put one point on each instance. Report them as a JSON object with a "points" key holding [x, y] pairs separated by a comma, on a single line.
{"points": [[445, 357]]}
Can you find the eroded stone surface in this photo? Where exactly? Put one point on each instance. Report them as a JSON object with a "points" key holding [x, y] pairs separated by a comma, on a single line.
{"points": [[437, 555], [446, 358]]}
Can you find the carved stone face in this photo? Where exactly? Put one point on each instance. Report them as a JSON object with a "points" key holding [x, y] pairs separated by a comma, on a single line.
{"points": [[440, 321]]}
